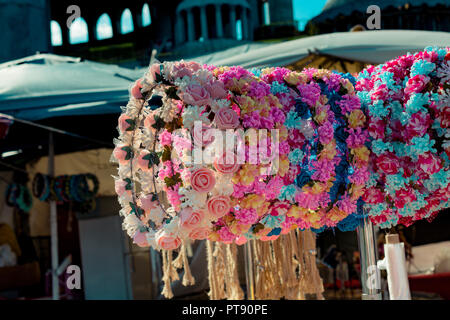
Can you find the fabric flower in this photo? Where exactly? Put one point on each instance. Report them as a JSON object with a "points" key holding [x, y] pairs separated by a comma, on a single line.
{"points": [[226, 118], [218, 206]]}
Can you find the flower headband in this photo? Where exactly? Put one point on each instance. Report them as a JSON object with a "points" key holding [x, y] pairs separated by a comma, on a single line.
{"points": [[408, 110]]}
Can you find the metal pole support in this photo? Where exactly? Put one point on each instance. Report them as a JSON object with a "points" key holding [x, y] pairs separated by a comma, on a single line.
{"points": [[249, 270], [370, 275], [53, 222]]}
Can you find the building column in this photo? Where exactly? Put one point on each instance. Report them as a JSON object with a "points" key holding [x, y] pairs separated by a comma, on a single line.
{"points": [[178, 28], [204, 23], [219, 26], [190, 25], [250, 18], [64, 33], [137, 18], [115, 22], [244, 23], [92, 28], [233, 21]]}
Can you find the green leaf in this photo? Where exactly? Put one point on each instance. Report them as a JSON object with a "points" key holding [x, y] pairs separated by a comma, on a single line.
{"points": [[129, 152], [129, 185], [152, 158], [171, 92], [132, 124], [159, 123], [158, 78], [136, 210]]}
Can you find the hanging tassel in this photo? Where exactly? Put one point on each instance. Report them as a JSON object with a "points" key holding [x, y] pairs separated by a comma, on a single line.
{"points": [[188, 279], [232, 285], [312, 283], [211, 273], [178, 262], [167, 290], [216, 269], [219, 266]]}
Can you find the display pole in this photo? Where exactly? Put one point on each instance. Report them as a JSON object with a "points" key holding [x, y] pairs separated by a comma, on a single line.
{"points": [[370, 276], [249, 270], [53, 221]]}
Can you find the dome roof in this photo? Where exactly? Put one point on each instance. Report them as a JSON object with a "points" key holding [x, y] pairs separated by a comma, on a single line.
{"points": [[335, 7], [186, 4]]}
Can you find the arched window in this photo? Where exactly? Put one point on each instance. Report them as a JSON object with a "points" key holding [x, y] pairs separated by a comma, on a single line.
{"points": [[266, 13], [146, 17], [239, 30], [126, 22], [78, 32], [56, 33], [104, 28]]}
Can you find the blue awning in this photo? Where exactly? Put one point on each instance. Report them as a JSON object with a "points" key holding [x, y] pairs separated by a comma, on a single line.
{"points": [[46, 86]]}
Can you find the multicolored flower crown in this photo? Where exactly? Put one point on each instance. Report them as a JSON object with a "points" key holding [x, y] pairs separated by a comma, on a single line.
{"points": [[170, 117], [318, 130], [327, 136], [408, 101]]}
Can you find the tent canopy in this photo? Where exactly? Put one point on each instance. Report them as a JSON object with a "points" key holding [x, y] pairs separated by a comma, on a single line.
{"points": [[372, 47], [46, 86]]}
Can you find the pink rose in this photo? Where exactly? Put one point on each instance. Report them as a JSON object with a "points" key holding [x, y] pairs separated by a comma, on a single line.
{"points": [[196, 95], [416, 84], [216, 90], [377, 128], [136, 90], [218, 206], [167, 241], [429, 163], [199, 233], [226, 118], [120, 187], [143, 163], [183, 69], [418, 124], [227, 163], [203, 180], [380, 93], [124, 123], [404, 196], [388, 163], [147, 202], [140, 239], [149, 121], [154, 70], [121, 154], [190, 219], [203, 135], [445, 117]]}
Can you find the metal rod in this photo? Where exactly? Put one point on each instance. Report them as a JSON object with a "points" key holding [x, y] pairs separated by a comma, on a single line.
{"points": [[370, 276], [249, 270], [51, 129], [53, 221]]}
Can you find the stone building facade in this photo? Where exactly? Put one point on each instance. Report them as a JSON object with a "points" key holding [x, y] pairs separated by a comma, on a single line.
{"points": [[342, 15], [179, 28]]}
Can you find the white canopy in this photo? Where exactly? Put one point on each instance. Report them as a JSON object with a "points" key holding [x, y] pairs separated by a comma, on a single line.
{"points": [[47, 85], [373, 47]]}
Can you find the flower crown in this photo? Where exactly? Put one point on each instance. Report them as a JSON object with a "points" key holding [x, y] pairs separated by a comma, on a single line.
{"points": [[408, 101]]}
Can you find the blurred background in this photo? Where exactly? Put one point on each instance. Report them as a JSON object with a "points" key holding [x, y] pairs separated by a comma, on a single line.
{"points": [[65, 70]]}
